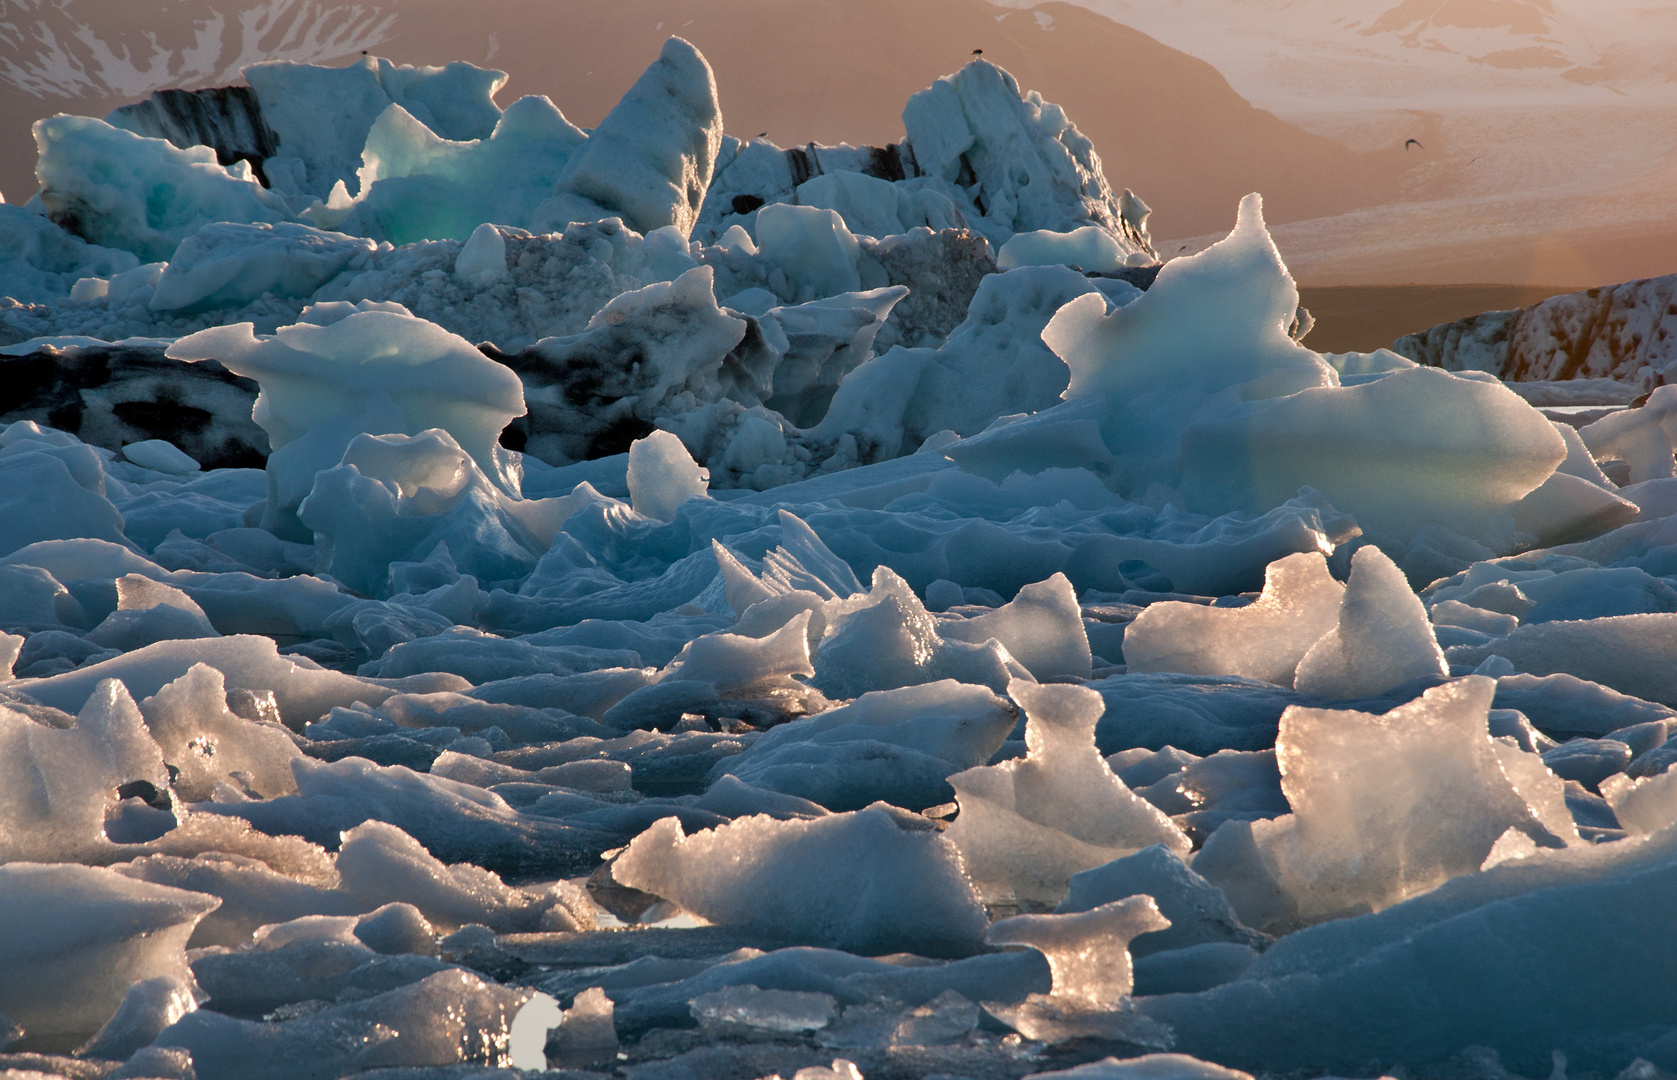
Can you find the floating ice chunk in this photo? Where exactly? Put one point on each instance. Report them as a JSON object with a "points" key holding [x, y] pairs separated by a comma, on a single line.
{"points": [[1041, 627], [750, 1008], [1198, 912], [1092, 249], [149, 611], [1628, 653], [380, 864], [149, 1006], [395, 498], [1385, 807], [1211, 320], [682, 338], [1425, 979], [1147, 1067], [1642, 438], [734, 662], [663, 475], [483, 257], [208, 744], [121, 190], [51, 493], [1088, 956], [448, 1018], [161, 455], [1382, 637], [303, 692], [895, 746], [425, 376], [252, 894], [454, 821], [1263, 640], [1644, 805], [1027, 825], [40, 262], [1088, 952], [63, 783], [1565, 509], [527, 1037], [803, 561], [652, 157], [812, 246], [868, 882], [1417, 445], [74, 939], [885, 638], [228, 265]]}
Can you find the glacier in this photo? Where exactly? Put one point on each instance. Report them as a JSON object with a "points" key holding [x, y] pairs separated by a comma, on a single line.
{"points": [[480, 595]]}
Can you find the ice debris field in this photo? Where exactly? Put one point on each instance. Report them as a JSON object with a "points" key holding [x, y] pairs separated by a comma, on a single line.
{"points": [[483, 596]]}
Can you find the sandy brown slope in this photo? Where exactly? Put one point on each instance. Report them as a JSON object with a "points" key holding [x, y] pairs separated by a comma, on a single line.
{"points": [[1166, 124]]}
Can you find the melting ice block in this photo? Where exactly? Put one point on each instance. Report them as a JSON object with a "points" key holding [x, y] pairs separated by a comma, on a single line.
{"points": [[1382, 636], [1027, 825], [1088, 956], [652, 157], [1041, 627], [384, 369], [875, 881], [1384, 807], [229, 264], [1263, 640], [61, 784], [663, 475], [208, 744]]}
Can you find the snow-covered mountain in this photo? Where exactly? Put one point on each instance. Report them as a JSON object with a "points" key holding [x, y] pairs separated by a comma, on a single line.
{"points": [[69, 49], [1308, 55]]}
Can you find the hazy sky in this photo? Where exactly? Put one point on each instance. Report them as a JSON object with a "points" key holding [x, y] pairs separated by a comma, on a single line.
{"points": [[1548, 127]]}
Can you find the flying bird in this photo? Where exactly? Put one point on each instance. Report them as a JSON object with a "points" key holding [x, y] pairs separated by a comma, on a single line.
{"points": [[1407, 143], [978, 52]]}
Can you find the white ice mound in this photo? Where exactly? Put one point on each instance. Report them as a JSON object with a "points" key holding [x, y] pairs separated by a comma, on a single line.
{"points": [[1018, 160], [1384, 808], [1263, 640], [228, 265], [651, 158], [63, 784], [208, 744], [313, 374], [875, 881], [1089, 959], [121, 190], [74, 939], [1382, 636], [1208, 322], [812, 246], [1091, 249], [1041, 627], [1413, 446], [1146, 1067], [663, 475], [1027, 825], [396, 498]]}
